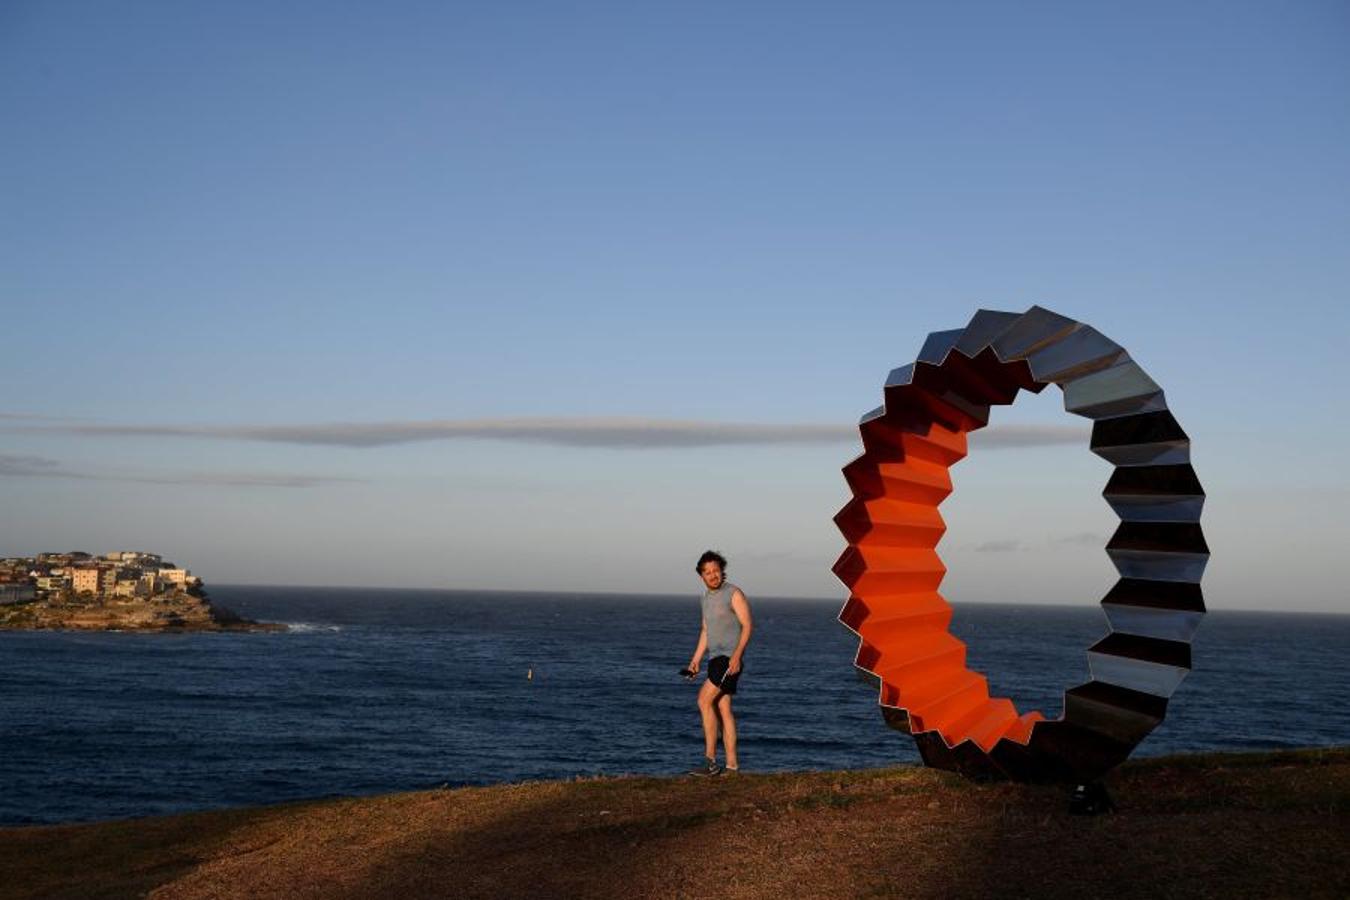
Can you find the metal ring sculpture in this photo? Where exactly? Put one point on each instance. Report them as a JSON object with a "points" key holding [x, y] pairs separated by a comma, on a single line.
{"points": [[892, 568]]}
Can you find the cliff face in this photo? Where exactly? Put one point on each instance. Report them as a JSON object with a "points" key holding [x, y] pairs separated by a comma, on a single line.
{"points": [[166, 612]]}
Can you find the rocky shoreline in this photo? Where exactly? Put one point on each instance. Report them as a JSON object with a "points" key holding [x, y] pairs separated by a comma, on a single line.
{"points": [[175, 612]]}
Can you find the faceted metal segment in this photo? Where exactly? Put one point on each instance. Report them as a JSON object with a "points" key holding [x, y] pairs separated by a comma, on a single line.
{"points": [[1064, 750], [938, 345], [984, 326], [1117, 712], [1160, 508], [1161, 551], [1159, 565], [947, 386], [1122, 390], [1147, 439], [1167, 624], [893, 570], [901, 376], [1148, 665], [1165, 609], [1033, 330], [1154, 481], [1080, 353], [983, 380]]}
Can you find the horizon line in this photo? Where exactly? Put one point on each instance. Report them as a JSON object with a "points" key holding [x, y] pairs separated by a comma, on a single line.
{"points": [[684, 595]]}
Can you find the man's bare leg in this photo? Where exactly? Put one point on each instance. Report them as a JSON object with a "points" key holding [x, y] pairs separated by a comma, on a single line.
{"points": [[707, 708], [728, 729]]}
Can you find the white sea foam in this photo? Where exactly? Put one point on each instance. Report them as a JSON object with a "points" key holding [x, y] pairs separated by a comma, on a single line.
{"points": [[309, 627]]}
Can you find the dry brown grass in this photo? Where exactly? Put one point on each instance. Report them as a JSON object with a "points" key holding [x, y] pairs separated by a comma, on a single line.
{"points": [[1205, 826]]}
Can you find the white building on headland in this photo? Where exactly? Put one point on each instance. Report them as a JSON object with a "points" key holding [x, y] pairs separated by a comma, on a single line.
{"points": [[179, 578], [137, 557]]}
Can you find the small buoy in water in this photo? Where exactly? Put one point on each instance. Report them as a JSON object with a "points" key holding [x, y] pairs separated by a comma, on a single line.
{"points": [[529, 674]]}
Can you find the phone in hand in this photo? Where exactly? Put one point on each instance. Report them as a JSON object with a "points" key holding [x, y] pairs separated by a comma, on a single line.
{"points": [[688, 673]]}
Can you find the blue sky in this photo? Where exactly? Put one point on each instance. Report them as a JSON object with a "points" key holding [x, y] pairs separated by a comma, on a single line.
{"points": [[223, 217]]}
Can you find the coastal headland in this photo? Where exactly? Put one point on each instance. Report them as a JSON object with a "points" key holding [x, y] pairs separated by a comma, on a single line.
{"points": [[1212, 825], [126, 590], [175, 611]]}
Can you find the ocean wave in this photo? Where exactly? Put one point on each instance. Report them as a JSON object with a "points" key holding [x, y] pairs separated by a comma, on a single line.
{"points": [[310, 627]]}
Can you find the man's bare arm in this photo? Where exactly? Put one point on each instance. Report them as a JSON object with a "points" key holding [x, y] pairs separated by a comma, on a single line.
{"points": [[741, 607], [700, 649]]}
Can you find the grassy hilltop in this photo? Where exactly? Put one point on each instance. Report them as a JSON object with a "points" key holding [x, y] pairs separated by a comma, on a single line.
{"points": [[1255, 825]]}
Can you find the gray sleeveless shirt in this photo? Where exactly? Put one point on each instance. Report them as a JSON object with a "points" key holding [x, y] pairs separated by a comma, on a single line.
{"points": [[724, 629]]}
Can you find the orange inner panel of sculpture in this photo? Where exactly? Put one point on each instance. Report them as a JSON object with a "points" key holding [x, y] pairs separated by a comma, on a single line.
{"points": [[893, 572]]}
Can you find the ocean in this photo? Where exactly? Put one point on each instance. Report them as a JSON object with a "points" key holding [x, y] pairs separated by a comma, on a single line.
{"points": [[388, 690]]}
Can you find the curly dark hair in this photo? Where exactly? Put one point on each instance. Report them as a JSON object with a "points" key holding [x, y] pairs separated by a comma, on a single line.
{"points": [[711, 556]]}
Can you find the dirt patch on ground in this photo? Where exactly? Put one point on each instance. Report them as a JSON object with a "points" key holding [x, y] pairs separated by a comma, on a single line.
{"points": [[1220, 826]]}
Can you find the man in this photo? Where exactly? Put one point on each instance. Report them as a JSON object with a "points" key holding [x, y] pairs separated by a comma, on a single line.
{"points": [[726, 631]]}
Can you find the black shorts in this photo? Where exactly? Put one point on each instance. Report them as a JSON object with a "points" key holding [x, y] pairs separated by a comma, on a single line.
{"points": [[717, 674]]}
